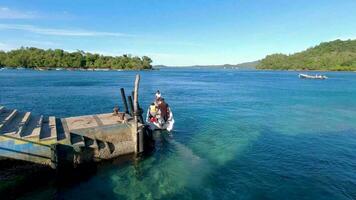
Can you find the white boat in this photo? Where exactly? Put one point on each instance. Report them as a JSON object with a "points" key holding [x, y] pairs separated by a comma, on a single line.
{"points": [[101, 69], [159, 123], [312, 76]]}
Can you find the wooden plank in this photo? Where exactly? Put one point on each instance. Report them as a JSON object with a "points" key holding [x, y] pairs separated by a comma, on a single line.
{"points": [[8, 119], [37, 129], [23, 123], [52, 129], [52, 125]]}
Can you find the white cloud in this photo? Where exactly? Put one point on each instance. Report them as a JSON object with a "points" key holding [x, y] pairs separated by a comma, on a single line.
{"points": [[60, 32], [39, 43], [7, 13], [165, 55], [6, 47]]}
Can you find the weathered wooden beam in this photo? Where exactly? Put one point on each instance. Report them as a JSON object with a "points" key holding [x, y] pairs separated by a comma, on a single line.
{"points": [[139, 130], [137, 84], [140, 119], [123, 96], [131, 106]]}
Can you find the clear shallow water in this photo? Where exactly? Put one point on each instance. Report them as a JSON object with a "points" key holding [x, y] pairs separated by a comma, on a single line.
{"points": [[239, 134]]}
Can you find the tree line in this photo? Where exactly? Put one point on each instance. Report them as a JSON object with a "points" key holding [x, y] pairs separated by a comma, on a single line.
{"points": [[31, 57], [336, 55]]}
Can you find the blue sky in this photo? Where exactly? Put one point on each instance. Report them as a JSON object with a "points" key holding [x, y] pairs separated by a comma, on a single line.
{"points": [[177, 32]]}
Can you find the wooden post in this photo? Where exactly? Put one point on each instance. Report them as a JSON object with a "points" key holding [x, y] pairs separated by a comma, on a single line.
{"points": [[123, 96], [137, 82], [139, 130], [140, 119], [131, 106]]}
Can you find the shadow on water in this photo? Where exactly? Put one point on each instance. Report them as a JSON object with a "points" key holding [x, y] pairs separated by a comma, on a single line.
{"points": [[302, 166], [307, 165], [25, 180], [172, 168]]}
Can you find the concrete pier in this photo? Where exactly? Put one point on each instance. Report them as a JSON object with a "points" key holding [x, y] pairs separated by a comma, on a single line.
{"points": [[71, 141]]}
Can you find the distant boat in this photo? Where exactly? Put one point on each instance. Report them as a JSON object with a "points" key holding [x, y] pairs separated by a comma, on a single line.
{"points": [[59, 69], [20, 68], [101, 69], [312, 76]]}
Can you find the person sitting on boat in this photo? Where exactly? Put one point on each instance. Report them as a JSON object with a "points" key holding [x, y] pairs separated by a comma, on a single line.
{"points": [[158, 95], [164, 109], [153, 113]]}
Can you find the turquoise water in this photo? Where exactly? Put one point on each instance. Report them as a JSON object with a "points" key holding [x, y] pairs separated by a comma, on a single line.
{"points": [[238, 134]]}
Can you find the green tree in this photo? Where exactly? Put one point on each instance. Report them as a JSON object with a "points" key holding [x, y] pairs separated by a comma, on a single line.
{"points": [[334, 55], [38, 58]]}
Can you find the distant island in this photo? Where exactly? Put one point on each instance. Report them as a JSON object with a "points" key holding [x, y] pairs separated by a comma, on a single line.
{"points": [[336, 55], [36, 58], [246, 65]]}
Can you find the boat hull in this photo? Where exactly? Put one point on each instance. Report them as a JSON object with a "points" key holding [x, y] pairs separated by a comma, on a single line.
{"points": [[165, 126], [168, 125], [305, 76]]}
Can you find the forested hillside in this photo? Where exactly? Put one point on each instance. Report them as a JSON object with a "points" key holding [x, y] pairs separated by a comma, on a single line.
{"points": [[39, 58], [336, 55]]}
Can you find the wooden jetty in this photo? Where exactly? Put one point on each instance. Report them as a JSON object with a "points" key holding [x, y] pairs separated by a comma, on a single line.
{"points": [[56, 142]]}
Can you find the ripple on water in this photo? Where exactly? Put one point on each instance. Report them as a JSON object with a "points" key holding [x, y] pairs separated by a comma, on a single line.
{"points": [[239, 135]]}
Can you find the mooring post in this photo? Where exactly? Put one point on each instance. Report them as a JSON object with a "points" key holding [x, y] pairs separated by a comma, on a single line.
{"points": [[140, 119], [123, 96], [139, 130], [137, 82], [131, 106]]}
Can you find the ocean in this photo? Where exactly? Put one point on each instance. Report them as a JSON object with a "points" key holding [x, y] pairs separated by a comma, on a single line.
{"points": [[238, 134]]}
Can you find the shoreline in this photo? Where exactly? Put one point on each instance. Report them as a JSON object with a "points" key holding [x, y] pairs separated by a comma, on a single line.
{"points": [[154, 69], [303, 70], [73, 69]]}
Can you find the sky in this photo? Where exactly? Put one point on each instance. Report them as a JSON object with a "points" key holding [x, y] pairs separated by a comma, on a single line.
{"points": [[177, 32]]}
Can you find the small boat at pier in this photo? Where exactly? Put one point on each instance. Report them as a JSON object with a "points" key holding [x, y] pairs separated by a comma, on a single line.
{"points": [[160, 124], [159, 115], [306, 76]]}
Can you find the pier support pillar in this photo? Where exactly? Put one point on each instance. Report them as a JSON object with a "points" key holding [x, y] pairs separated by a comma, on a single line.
{"points": [[140, 140]]}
